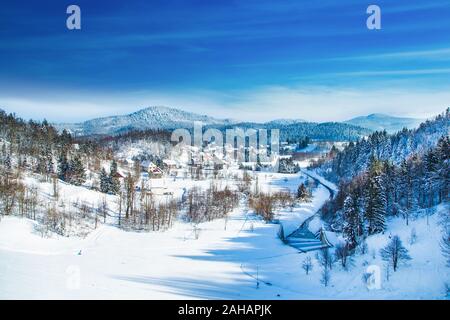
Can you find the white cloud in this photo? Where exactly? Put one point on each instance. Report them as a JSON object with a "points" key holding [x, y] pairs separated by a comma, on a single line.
{"points": [[324, 104], [262, 104]]}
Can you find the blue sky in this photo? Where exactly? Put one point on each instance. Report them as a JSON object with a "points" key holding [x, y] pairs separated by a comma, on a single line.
{"points": [[249, 59]]}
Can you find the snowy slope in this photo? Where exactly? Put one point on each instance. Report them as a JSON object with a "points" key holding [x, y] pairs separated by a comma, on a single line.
{"points": [[222, 264], [156, 265]]}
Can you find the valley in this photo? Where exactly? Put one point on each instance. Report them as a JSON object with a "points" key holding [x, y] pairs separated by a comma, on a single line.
{"points": [[149, 225]]}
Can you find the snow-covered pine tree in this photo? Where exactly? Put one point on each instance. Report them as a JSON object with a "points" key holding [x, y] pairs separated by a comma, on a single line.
{"points": [[77, 172], [431, 176], [406, 199], [389, 176], [376, 199], [352, 224], [104, 181], [63, 167], [443, 154], [113, 180], [8, 162]]}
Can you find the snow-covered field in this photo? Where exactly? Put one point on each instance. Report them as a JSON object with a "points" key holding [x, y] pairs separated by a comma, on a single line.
{"points": [[223, 263]]}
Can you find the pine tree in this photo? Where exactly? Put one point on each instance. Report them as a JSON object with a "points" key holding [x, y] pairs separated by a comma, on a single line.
{"points": [[443, 154], [77, 172], [63, 167], [389, 175], [375, 199], [113, 180], [431, 175], [352, 222], [104, 181], [8, 162]]}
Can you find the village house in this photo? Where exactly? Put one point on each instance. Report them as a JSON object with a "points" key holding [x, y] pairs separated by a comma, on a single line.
{"points": [[152, 169]]}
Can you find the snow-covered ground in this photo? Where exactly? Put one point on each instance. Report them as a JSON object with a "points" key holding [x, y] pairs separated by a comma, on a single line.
{"points": [[223, 263]]}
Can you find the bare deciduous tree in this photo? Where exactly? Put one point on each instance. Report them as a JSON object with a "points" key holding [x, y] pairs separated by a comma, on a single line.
{"points": [[342, 253], [395, 252]]}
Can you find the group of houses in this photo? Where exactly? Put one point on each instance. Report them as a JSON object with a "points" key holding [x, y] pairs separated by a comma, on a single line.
{"points": [[155, 171]]}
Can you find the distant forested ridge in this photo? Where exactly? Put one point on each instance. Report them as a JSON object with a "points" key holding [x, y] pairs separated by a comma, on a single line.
{"points": [[395, 148], [327, 131]]}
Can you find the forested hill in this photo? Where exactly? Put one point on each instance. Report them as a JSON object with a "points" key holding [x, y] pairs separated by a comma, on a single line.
{"points": [[388, 176], [289, 131], [394, 148], [38, 147]]}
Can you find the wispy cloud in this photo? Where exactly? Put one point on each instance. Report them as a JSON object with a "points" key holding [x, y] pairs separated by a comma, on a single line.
{"points": [[261, 104], [393, 72], [440, 53]]}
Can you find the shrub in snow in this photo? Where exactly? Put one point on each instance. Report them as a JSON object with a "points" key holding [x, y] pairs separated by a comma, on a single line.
{"points": [[196, 232], [280, 234], [413, 236], [264, 205], [326, 277], [307, 265], [303, 194]]}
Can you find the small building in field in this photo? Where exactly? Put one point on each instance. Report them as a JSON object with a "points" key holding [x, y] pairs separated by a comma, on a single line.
{"points": [[146, 165], [152, 169], [155, 172]]}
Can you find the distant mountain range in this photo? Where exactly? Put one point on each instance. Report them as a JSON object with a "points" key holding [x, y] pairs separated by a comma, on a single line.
{"points": [[380, 122], [155, 118], [165, 118]]}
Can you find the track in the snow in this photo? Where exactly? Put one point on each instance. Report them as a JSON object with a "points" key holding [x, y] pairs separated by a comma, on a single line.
{"points": [[304, 240]]}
